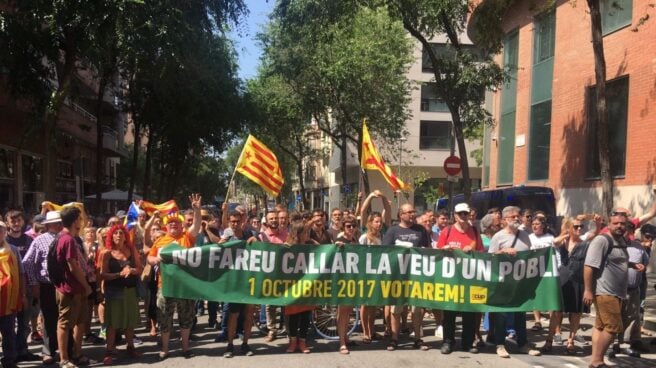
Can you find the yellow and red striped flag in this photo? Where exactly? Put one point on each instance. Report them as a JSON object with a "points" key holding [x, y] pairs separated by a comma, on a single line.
{"points": [[258, 163], [371, 160], [163, 208]]}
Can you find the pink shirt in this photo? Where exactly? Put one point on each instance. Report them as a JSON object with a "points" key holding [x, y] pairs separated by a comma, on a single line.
{"points": [[278, 238]]}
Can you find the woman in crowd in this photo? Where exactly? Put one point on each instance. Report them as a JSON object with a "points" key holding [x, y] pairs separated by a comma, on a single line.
{"points": [[121, 265], [344, 311], [299, 316], [572, 251], [539, 239], [373, 236]]}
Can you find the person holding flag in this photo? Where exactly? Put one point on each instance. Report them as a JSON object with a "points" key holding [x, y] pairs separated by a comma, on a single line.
{"points": [[167, 306]]}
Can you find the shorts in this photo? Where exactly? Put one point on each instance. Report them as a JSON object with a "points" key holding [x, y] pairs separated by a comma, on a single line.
{"points": [[609, 313], [399, 309], [73, 310], [166, 307]]}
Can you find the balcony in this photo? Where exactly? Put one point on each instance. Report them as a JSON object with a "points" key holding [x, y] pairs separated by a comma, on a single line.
{"points": [[112, 143]]}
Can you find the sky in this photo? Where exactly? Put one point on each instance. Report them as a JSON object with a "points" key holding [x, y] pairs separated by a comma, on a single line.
{"points": [[248, 51]]}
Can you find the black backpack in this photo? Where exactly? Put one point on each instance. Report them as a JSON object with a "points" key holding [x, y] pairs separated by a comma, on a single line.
{"points": [[55, 269], [577, 258]]}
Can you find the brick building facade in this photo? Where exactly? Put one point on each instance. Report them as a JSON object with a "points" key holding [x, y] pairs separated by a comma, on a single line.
{"points": [[545, 114]]}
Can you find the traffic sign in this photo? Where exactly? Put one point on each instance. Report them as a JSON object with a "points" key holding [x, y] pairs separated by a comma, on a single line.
{"points": [[452, 165]]}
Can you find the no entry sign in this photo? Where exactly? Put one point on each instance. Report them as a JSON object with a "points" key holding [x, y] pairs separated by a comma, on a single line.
{"points": [[452, 165]]}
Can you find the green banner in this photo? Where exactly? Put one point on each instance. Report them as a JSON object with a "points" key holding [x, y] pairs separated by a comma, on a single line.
{"points": [[263, 273]]}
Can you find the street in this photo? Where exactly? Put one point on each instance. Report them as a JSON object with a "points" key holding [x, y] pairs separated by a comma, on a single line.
{"points": [[324, 353]]}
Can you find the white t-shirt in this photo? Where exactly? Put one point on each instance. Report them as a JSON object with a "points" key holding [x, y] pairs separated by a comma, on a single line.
{"points": [[541, 241]]}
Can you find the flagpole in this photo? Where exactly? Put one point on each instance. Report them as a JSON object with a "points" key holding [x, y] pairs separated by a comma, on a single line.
{"points": [[232, 178]]}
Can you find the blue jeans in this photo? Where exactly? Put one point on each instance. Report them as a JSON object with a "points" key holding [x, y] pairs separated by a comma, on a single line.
{"points": [[519, 323], [7, 325]]}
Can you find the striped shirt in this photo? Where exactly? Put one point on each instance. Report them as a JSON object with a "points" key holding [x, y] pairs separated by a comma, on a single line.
{"points": [[35, 261]]}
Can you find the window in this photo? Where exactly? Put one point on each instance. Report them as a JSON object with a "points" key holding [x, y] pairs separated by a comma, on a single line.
{"points": [[617, 96], [6, 163], [540, 139], [445, 51], [541, 82], [32, 173], [434, 135], [615, 14], [506, 151], [429, 100], [544, 36], [65, 169]]}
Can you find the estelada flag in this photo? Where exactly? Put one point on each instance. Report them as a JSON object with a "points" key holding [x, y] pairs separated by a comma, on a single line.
{"points": [[163, 208], [371, 160], [258, 163]]}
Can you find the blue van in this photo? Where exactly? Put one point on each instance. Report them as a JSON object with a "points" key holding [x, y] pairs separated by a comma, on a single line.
{"points": [[535, 198]]}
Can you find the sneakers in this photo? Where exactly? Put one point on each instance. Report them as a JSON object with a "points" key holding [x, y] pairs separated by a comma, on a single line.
{"points": [[558, 340], [229, 352], [246, 350], [446, 348], [137, 341], [527, 349], [502, 352]]}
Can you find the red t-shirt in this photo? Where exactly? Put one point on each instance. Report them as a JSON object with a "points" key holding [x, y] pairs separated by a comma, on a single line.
{"points": [[453, 238], [67, 248]]}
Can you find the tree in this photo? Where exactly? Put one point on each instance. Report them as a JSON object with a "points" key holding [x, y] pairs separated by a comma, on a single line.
{"points": [[346, 63], [44, 41], [182, 86], [601, 106], [280, 121], [461, 74]]}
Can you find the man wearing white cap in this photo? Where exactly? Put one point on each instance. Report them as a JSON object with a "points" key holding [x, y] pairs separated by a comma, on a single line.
{"points": [[36, 269], [461, 235]]}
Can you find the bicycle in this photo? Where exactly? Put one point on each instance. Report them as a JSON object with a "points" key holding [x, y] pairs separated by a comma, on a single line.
{"points": [[324, 321]]}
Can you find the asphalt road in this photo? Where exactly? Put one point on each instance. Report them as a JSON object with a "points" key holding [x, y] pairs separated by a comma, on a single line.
{"points": [[324, 353]]}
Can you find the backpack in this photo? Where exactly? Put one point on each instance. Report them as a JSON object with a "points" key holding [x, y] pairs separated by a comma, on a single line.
{"points": [[55, 269], [577, 259]]}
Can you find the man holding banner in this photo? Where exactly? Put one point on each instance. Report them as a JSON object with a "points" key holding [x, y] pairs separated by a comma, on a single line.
{"points": [[167, 305], [407, 234], [465, 237], [509, 241]]}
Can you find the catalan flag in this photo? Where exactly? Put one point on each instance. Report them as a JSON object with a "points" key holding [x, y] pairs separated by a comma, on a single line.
{"points": [[163, 208], [259, 164], [371, 160]]}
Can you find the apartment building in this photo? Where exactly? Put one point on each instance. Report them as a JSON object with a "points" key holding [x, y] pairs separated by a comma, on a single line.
{"points": [[420, 154], [23, 148]]}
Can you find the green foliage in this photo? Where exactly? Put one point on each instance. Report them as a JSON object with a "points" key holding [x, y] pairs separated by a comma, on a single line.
{"points": [[345, 62]]}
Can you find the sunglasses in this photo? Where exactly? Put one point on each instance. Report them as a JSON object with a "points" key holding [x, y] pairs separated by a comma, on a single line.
{"points": [[619, 213], [349, 226], [463, 213], [577, 227]]}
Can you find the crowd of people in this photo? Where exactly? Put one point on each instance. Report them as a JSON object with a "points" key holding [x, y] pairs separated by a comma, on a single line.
{"points": [[64, 271]]}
